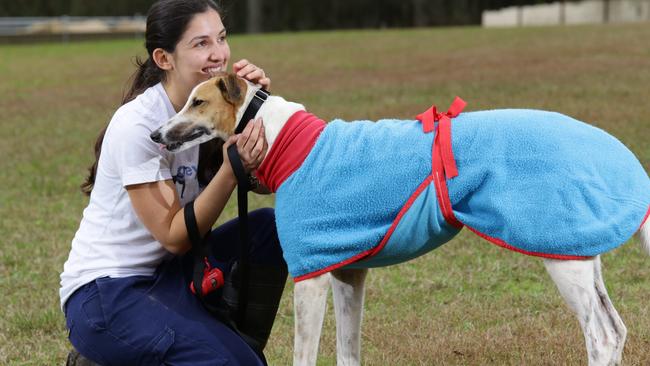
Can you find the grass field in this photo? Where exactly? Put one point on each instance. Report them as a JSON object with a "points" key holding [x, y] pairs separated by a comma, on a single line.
{"points": [[468, 303]]}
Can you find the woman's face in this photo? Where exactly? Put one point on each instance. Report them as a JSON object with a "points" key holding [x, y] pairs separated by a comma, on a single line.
{"points": [[201, 51]]}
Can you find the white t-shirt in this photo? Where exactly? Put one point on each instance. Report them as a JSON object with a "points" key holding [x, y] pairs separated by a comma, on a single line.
{"points": [[111, 240]]}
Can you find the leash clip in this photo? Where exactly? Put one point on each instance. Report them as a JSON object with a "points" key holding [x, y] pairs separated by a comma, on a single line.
{"points": [[212, 279]]}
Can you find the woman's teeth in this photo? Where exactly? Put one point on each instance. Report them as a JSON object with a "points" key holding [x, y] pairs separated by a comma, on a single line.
{"points": [[212, 70]]}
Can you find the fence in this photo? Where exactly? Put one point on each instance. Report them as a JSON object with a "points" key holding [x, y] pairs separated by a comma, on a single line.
{"points": [[66, 27], [584, 12]]}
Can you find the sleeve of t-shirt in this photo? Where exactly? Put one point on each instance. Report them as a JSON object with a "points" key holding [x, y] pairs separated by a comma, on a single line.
{"points": [[137, 157]]}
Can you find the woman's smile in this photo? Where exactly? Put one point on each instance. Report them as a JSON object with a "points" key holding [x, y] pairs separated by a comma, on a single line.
{"points": [[213, 69]]}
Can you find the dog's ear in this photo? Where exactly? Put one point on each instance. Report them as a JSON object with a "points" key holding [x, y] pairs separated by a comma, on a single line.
{"points": [[230, 88]]}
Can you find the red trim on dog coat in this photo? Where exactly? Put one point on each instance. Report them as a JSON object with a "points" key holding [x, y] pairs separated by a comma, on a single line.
{"points": [[291, 147]]}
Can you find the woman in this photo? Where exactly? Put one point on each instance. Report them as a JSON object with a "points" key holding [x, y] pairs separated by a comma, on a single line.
{"points": [[124, 288]]}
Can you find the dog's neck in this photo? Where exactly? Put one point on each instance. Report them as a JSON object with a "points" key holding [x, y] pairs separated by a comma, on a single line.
{"points": [[274, 113]]}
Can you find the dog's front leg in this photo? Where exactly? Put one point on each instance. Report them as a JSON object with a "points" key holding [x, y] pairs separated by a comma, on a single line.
{"points": [[348, 291], [310, 303]]}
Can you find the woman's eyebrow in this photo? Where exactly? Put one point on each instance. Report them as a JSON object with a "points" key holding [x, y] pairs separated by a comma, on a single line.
{"points": [[197, 38], [223, 31]]}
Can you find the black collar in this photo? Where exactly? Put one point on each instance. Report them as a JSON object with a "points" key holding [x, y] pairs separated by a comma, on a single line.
{"points": [[251, 110]]}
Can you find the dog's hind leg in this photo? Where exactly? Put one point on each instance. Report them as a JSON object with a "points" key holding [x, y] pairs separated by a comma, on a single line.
{"points": [[348, 291], [310, 303], [616, 321], [644, 235], [581, 285]]}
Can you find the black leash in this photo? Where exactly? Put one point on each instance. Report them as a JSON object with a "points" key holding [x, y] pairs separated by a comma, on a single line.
{"points": [[251, 110], [243, 186], [200, 251]]}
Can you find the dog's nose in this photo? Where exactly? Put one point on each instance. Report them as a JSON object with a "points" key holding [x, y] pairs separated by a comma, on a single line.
{"points": [[156, 136]]}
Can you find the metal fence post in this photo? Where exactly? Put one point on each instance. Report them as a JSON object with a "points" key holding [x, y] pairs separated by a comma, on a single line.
{"points": [[65, 36]]}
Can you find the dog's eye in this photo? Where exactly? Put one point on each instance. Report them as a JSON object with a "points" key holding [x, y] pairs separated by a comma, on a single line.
{"points": [[197, 102]]}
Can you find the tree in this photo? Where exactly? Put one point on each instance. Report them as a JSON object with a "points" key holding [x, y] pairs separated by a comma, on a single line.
{"points": [[253, 16]]}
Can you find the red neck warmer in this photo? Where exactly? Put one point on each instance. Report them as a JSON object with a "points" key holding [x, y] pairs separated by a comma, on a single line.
{"points": [[290, 149]]}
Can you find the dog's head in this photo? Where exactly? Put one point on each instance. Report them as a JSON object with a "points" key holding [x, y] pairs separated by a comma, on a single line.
{"points": [[211, 111]]}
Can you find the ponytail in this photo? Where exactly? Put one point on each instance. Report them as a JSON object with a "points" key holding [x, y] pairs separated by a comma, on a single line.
{"points": [[89, 183], [147, 75]]}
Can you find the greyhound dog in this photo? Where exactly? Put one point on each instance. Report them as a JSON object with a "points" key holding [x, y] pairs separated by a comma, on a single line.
{"points": [[356, 195]]}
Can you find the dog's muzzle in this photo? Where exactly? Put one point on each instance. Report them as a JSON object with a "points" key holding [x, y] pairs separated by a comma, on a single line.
{"points": [[173, 139]]}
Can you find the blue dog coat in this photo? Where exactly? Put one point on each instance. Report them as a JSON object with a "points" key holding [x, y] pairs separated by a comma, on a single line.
{"points": [[536, 182]]}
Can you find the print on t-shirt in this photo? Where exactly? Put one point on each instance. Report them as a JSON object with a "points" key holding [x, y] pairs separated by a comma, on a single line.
{"points": [[181, 173]]}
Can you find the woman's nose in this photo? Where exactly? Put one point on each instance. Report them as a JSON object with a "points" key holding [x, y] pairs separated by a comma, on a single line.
{"points": [[218, 52]]}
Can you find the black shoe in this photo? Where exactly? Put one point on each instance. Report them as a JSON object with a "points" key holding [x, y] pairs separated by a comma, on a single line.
{"points": [[76, 359]]}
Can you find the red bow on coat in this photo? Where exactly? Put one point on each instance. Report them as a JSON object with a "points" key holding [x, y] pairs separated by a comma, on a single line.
{"points": [[443, 135]]}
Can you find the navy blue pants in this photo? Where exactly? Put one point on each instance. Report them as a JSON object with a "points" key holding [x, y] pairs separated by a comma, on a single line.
{"points": [[154, 320]]}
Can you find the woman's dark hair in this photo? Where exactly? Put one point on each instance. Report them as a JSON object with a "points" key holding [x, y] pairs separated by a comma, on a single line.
{"points": [[167, 20]]}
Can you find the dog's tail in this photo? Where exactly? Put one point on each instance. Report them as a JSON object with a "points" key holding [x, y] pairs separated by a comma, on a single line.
{"points": [[644, 235]]}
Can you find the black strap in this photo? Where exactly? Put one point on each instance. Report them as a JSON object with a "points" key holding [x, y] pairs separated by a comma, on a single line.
{"points": [[191, 225], [251, 110], [238, 169], [244, 245], [243, 186], [198, 251]]}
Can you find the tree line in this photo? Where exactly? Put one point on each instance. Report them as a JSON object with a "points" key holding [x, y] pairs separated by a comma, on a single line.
{"points": [[290, 15]]}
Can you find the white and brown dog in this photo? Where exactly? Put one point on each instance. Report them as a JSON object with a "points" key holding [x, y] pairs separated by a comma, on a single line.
{"points": [[390, 210]]}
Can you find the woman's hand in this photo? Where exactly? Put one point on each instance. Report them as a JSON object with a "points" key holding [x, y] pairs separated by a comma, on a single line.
{"points": [[252, 73], [251, 145]]}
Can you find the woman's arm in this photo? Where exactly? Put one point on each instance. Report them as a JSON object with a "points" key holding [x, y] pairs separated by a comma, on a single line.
{"points": [[158, 206]]}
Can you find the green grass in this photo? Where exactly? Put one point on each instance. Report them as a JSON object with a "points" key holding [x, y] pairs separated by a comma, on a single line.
{"points": [[468, 303]]}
